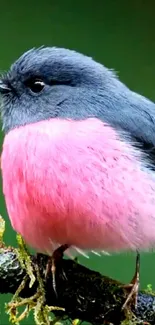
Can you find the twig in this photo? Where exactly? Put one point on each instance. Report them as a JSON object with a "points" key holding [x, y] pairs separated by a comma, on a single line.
{"points": [[82, 294], [86, 295]]}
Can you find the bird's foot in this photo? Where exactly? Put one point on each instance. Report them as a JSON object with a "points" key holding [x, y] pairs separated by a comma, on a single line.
{"points": [[133, 285], [53, 262]]}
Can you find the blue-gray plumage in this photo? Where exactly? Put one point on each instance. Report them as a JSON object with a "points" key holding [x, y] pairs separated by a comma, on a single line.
{"points": [[54, 82]]}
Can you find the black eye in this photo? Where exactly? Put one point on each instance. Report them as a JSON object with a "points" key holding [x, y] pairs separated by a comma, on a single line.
{"points": [[35, 85]]}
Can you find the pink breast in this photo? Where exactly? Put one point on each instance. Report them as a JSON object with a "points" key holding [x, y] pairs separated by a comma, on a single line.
{"points": [[76, 182]]}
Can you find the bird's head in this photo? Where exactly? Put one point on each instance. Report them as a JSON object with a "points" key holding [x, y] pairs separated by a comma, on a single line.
{"points": [[51, 82]]}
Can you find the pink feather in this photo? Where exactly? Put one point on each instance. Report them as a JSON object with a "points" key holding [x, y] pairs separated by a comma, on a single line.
{"points": [[77, 183]]}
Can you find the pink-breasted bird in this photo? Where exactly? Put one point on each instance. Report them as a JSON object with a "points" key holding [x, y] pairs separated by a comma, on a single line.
{"points": [[78, 155]]}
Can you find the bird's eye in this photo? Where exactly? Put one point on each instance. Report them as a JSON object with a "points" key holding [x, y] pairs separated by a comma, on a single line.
{"points": [[35, 85]]}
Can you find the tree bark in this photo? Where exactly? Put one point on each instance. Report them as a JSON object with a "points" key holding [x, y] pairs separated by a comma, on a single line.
{"points": [[84, 294]]}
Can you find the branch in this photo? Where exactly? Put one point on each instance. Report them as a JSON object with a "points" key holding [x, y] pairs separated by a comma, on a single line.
{"points": [[84, 294]]}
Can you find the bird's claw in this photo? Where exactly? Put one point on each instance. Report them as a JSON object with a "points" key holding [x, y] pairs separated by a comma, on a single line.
{"points": [[51, 265], [134, 285]]}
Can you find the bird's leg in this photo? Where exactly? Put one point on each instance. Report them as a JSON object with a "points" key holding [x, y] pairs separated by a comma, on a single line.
{"points": [[134, 284], [52, 264]]}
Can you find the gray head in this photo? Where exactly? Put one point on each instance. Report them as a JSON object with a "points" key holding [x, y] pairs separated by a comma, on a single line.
{"points": [[52, 82]]}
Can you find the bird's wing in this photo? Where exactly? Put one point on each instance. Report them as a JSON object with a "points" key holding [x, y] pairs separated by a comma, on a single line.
{"points": [[130, 112]]}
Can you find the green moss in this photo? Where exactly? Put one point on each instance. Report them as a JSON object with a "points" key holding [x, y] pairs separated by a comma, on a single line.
{"points": [[130, 322], [24, 259], [35, 303], [149, 290], [2, 230], [76, 321], [131, 319]]}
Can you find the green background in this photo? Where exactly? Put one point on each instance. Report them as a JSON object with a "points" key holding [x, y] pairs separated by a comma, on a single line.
{"points": [[120, 34]]}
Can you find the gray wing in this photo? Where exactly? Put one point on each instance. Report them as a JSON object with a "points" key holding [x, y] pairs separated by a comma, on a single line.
{"points": [[130, 112]]}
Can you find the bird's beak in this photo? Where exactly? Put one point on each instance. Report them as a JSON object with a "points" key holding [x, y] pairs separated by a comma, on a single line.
{"points": [[4, 88]]}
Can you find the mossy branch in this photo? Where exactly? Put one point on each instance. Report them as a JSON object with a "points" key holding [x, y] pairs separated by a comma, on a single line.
{"points": [[82, 294]]}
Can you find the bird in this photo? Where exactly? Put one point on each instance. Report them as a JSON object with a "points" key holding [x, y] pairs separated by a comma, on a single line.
{"points": [[78, 158]]}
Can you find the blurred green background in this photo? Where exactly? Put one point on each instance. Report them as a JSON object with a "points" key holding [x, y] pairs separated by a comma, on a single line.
{"points": [[120, 34]]}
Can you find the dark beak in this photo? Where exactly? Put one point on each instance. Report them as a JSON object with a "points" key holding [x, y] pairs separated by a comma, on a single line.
{"points": [[4, 88]]}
